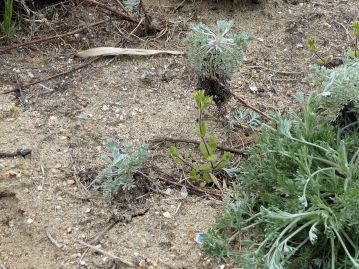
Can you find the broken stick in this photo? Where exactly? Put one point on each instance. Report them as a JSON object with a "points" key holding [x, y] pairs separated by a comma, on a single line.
{"points": [[46, 39], [126, 16]]}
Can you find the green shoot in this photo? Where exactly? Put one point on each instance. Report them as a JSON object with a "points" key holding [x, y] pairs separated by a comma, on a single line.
{"points": [[6, 26], [212, 162], [356, 35], [312, 44]]}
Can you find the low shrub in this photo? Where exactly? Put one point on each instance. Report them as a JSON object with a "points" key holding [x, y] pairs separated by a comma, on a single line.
{"points": [[297, 203]]}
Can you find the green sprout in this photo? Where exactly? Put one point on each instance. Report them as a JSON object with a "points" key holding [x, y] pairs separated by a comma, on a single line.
{"points": [[355, 26], [6, 26], [212, 161]]}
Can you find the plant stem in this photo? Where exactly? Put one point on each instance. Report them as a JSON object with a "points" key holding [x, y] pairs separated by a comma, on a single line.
{"points": [[333, 252], [356, 47], [202, 138]]}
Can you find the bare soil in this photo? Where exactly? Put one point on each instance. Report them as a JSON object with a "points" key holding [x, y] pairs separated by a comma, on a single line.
{"points": [[65, 122]]}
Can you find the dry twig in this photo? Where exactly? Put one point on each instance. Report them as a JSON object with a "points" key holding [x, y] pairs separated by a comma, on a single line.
{"points": [[192, 188], [240, 99], [55, 76], [53, 241], [126, 16], [108, 254], [2, 265], [49, 38], [189, 141]]}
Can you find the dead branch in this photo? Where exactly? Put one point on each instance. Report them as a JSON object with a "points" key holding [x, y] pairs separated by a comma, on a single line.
{"points": [[126, 16], [189, 141], [116, 220], [50, 38], [112, 256], [19, 152], [240, 99], [55, 76], [190, 187], [2, 265], [53, 241]]}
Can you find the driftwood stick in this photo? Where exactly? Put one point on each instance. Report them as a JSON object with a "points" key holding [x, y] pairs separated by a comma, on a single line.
{"points": [[125, 16], [189, 141], [108, 254], [49, 38]]}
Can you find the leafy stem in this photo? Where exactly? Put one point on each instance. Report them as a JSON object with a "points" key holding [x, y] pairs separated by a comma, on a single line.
{"points": [[203, 134]]}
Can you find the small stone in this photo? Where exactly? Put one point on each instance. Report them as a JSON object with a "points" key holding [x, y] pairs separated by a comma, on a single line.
{"points": [[289, 93], [136, 254], [142, 263], [253, 89], [29, 221], [88, 210], [105, 108], [39, 188], [167, 215], [70, 182], [168, 191]]}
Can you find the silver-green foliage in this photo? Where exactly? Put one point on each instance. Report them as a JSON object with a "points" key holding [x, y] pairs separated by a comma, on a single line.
{"points": [[299, 205], [121, 167], [339, 85], [131, 5], [216, 52]]}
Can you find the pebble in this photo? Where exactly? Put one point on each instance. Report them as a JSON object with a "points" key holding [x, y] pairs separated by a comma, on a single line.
{"points": [[70, 182], [105, 108], [142, 263], [167, 215], [29, 221]]}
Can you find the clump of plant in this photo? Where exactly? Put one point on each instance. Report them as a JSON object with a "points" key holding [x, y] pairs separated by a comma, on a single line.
{"points": [[355, 26], [214, 55], [6, 26], [340, 92], [131, 5], [298, 204], [313, 48], [121, 167], [204, 172], [14, 112], [302, 208]]}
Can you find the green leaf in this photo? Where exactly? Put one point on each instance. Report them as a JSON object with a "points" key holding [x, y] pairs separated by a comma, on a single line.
{"points": [[174, 151], [227, 156], [203, 129], [203, 151], [212, 143], [312, 45], [212, 158], [193, 175], [205, 168], [355, 26]]}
